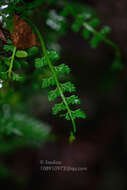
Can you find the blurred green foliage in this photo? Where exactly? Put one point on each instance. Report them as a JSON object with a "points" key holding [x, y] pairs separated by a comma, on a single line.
{"points": [[24, 72]]}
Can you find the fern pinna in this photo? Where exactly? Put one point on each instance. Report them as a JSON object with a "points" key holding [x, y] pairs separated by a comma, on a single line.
{"points": [[48, 59]]}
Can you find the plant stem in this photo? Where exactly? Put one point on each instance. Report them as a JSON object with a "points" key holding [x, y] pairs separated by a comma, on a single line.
{"points": [[11, 63], [44, 50]]}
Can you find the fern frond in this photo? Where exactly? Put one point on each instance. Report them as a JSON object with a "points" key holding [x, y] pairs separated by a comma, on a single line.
{"points": [[98, 36], [47, 60], [88, 21], [90, 24]]}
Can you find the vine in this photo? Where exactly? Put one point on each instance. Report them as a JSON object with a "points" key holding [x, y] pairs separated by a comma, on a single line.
{"points": [[11, 63]]}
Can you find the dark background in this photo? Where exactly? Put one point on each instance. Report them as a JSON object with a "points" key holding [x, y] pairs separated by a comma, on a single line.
{"points": [[101, 143]]}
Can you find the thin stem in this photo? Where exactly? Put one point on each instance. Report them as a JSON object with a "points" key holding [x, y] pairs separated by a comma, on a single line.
{"points": [[11, 63], [44, 50]]}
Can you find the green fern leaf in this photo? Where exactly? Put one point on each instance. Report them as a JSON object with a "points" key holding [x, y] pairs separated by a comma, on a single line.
{"points": [[94, 42], [48, 82], [68, 87], [47, 60], [58, 107], [86, 33], [40, 62], [97, 38], [94, 22], [73, 100], [80, 19], [53, 55], [105, 30], [75, 114], [53, 94], [62, 69], [61, 107]]}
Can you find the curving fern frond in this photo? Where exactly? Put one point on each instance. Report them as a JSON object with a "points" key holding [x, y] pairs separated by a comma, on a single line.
{"points": [[60, 89], [48, 59], [88, 22]]}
